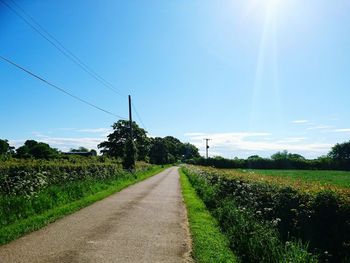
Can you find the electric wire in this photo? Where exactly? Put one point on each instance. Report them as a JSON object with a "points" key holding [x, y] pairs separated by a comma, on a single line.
{"points": [[59, 88], [138, 115], [59, 46], [65, 51]]}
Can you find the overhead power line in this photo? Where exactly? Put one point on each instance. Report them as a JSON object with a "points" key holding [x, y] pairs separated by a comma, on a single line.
{"points": [[32, 23], [39, 29], [59, 88], [138, 116]]}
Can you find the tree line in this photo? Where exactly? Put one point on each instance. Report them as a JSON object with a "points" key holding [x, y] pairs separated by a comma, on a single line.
{"points": [[154, 150], [337, 159], [168, 149]]}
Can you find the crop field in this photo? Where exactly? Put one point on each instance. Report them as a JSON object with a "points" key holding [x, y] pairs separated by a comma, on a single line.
{"points": [[278, 216], [335, 178], [307, 181]]}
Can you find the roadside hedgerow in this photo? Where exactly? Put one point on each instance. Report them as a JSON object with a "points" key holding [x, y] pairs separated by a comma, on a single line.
{"points": [[269, 222]]}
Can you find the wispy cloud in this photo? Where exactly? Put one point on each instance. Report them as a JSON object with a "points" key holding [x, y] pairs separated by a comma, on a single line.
{"points": [[95, 130], [342, 130], [320, 127], [300, 121]]}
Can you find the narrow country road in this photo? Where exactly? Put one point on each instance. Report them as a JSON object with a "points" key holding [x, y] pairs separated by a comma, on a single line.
{"points": [[145, 222]]}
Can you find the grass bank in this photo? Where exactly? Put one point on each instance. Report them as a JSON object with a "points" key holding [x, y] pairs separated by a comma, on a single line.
{"points": [[59, 200], [209, 244], [258, 219]]}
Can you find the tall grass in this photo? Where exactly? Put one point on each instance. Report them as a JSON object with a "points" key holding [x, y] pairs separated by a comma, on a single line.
{"points": [[34, 207], [252, 238]]}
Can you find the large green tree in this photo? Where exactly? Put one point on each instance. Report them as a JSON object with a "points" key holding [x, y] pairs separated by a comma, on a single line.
{"points": [[115, 146], [159, 151], [340, 152], [170, 149], [189, 151], [5, 148], [34, 149]]}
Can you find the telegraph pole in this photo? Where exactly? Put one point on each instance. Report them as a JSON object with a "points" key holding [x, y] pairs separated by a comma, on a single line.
{"points": [[130, 118], [206, 146], [130, 149]]}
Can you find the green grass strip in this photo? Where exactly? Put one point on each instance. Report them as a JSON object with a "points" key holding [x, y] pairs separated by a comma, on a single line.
{"points": [[209, 244], [21, 227]]}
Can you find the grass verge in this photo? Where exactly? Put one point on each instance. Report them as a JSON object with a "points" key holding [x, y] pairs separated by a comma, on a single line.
{"points": [[209, 244], [35, 222]]}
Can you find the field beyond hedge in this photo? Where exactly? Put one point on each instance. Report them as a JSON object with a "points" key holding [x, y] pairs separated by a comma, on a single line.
{"points": [[321, 177], [274, 218], [305, 181]]}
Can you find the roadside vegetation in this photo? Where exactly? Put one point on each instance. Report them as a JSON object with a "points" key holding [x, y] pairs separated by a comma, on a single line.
{"points": [[35, 193], [338, 158], [39, 184], [269, 221], [208, 243]]}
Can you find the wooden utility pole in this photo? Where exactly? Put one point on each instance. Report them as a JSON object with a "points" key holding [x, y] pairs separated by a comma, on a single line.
{"points": [[130, 149], [206, 147], [130, 119]]}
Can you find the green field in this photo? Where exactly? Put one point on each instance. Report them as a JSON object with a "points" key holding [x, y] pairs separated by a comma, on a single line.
{"points": [[336, 178]]}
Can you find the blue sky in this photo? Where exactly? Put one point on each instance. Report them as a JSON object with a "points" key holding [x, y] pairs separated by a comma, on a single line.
{"points": [[255, 76]]}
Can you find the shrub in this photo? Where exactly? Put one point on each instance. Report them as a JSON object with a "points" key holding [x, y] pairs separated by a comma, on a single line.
{"points": [[266, 220]]}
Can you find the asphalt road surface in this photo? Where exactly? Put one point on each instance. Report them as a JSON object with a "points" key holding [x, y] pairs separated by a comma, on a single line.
{"points": [[145, 222]]}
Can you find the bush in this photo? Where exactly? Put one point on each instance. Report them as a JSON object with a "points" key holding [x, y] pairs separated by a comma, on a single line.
{"points": [[29, 187], [261, 218]]}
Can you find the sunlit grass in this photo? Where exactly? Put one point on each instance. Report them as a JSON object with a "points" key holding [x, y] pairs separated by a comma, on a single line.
{"points": [[209, 244]]}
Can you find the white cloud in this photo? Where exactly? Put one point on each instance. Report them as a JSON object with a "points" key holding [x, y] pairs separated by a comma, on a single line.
{"points": [[342, 130], [95, 130], [300, 121], [193, 134], [244, 144], [65, 144], [320, 127], [292, 140]]}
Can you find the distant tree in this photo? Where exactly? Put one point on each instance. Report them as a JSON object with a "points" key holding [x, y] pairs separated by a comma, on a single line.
{"points": [[80, 149], [340, 152], [159, 151], [115, 145], [296, 157], [189, 151], [5, 148], [280, 155], [254, 157], [174, 146], [34, 149]]}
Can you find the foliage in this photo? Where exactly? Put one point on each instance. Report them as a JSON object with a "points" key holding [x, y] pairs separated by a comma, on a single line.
{"points": [[340, 153], [28, 177], [34, 149], [159, 153], [117, 140], [130, 157], [80, 149], [264, 220], [20, 214], [205, 231], [5, 148], [280, 160], [171, 150]]}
